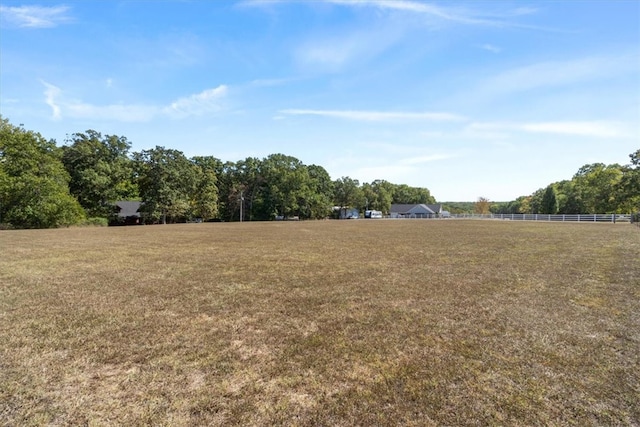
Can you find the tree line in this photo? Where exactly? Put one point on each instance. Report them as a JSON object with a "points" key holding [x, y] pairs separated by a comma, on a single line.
{"points": [[595, 188], [43, 185]]}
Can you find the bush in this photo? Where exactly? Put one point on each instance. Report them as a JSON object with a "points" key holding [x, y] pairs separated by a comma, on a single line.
{"points": [[94, 222]]}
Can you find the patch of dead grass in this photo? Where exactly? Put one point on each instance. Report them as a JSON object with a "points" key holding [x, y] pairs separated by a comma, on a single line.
{"points": [[321, 323]]}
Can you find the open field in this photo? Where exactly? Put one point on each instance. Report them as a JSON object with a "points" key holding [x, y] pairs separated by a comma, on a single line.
{"points": [[334, 323]]}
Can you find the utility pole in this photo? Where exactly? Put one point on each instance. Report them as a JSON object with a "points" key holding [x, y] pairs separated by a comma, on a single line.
{"points": [[241, 204]]}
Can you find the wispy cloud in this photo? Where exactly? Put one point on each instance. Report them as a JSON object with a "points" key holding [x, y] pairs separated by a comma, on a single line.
{"points": [[35, 16], [448, 14], [394, 170], [375, 116], [444, 13], [595, 128], [559, 73], [205, 102], [340, 49], [51, 93], [491, 48]]}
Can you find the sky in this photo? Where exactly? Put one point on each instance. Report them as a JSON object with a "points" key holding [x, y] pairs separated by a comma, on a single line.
{"points": [[469, 99]]}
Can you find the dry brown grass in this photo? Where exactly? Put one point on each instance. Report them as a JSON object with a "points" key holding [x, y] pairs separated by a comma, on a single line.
{"points": [[321, 323]]}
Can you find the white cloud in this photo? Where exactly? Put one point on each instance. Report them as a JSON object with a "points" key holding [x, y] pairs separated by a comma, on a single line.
{"points": [[50, 94], [456, 14], [595, 129], [559, 73], [452, 14], [205, 102], [342, 48], [400, 171], [376, 116], [407, 5], [35, 16], [491, 48]]}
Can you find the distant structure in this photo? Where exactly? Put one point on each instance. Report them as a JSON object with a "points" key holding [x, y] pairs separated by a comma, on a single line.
{"points": [[417, 211], [127, 213]]}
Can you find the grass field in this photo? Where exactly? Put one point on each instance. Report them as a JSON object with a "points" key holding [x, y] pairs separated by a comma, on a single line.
{"points": [[330, 323]]}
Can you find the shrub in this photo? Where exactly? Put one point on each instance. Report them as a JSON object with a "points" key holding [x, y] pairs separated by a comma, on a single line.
{"points": [[94, 222]]}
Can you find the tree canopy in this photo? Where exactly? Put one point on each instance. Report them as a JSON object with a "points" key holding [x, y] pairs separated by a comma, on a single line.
{"points": [[34, 185], [100, 170], [43, 185]]}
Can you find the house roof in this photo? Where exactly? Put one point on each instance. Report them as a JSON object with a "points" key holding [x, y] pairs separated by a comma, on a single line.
{"points": [[408, 209], [127, 208]]}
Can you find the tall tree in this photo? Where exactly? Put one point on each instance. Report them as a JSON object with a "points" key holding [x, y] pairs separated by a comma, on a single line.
{"points": [[598, 183], [204, 200], [347, 193], [318, 202], [100, 169], [287, 184], [629, 186], [167, 180], [34, 186], [549, 204], [482, 206], [379, 195], [412, 195]]}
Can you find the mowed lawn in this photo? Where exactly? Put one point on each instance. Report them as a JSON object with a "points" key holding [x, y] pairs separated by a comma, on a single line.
{"points": [[328, 323]]}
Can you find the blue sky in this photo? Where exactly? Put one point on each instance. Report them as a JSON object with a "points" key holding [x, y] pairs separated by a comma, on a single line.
{"points": [[468, 99]]}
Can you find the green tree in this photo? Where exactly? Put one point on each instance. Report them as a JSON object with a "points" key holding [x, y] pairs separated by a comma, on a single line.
{"points": [[549, 203], [347, 193], [286, 185], [378, 195], [34, 186], [101, 171], [569, 197], [628, 194], [167, 182], [204, 200], [598, 184], [405, 194], [318, 202]]}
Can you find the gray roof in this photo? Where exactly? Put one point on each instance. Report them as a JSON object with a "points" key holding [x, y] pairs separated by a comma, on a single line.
{"points": [[127, 209], [408, 209]]}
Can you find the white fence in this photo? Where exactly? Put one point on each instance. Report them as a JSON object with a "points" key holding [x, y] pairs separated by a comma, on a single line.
{"points": [[613, 218]]}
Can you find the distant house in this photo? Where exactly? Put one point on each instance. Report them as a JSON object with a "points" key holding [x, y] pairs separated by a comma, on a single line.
{"points": [[346, 213], [127, 213], [416, 211]]}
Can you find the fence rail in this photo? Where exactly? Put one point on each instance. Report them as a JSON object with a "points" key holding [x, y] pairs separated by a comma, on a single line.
{"points": [[613, 218]]}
